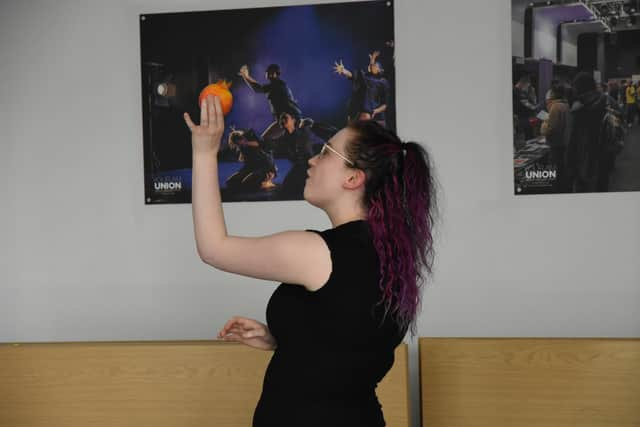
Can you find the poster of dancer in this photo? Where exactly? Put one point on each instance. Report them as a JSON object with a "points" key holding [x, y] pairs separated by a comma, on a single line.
{"points": [[576, 96], [288, 79]]}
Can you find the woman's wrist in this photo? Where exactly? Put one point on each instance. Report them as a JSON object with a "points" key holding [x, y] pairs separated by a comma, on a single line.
{"points": [[272, 341], [204, 152]]}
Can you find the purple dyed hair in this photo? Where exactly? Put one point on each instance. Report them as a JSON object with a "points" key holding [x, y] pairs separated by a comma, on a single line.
{"points": [[400, 200]]}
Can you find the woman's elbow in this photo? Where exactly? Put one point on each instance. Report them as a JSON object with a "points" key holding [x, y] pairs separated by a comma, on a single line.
{"points": [[206, 256]]}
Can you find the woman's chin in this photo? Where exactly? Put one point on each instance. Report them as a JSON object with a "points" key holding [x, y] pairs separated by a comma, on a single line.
{"points": [[307, 196]]}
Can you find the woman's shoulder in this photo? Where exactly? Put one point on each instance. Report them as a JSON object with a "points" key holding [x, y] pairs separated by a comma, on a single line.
{"points": [[348, 231], [352, 241]]}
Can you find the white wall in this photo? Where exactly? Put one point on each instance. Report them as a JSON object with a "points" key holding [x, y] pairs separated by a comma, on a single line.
{"points": [[83, 258]]}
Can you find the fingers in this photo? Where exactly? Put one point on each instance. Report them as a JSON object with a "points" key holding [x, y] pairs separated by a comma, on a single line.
{"points": [[253, 334], [232, 336], [234, 322], [204, 113], [237, 333], [211, 118], [189, 122], [245, 323], [219, 116], [228, 325], [246, 334], [215, 117], [238, 326]]}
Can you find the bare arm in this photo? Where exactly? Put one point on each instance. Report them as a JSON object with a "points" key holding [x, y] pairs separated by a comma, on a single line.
{"points": [[296, 257], [373, 56], [380, 109]]}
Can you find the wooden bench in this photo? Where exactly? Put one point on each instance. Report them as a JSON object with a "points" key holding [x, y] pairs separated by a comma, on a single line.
{"points": [[159, 384], [522, 382]]}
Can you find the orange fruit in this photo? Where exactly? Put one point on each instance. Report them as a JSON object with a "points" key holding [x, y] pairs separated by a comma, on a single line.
{"points": [[221, 90]]}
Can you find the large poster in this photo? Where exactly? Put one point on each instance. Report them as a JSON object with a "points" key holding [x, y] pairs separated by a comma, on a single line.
{"points": [[290, 77], [576, 96]]}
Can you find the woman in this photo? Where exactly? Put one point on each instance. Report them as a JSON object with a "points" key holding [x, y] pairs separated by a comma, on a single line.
{"points": [[349, 294]]}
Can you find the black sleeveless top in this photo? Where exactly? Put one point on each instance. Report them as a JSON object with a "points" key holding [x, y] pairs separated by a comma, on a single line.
{"points": [[333, 345]]}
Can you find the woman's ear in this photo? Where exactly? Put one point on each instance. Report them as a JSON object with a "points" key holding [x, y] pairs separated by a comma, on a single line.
{"points": [[355, 179]]}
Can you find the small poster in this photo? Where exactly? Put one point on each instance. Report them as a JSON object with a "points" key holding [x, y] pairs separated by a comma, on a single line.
{"points": [[576, 97], [288, 78]]}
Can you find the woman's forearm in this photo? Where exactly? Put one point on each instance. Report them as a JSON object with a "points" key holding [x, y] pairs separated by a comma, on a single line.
{"points": [[208, 217]]}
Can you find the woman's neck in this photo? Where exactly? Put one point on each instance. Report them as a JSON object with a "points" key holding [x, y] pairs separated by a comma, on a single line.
{"points": [[339, 218]]}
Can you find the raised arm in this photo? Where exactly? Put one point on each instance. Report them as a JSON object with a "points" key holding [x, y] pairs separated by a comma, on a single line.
{"points": [[373, 56], [250, 81], [380, 109], [296, 257]]}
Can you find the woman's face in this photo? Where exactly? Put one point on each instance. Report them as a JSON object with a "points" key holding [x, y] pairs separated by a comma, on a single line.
{"points": [[328, 171]]}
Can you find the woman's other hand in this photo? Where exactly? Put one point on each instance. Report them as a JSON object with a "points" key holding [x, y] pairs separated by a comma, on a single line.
{"points": [[249, 332]]}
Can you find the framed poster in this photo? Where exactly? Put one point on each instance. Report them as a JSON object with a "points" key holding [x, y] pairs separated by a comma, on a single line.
{"points": [[576, 123], [291, 77]]}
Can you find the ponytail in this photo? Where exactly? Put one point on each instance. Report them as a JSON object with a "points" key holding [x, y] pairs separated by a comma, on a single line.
{"points": [[401, 204]]}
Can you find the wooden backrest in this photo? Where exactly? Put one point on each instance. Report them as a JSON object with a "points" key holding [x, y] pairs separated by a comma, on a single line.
{"points": [[500, 382], [160, 384]]}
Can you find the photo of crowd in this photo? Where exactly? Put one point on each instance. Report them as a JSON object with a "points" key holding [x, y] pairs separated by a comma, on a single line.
{"points": [[576, 96]]}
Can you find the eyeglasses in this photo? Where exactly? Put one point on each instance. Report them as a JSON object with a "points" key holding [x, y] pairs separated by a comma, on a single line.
{"points": [[333, 150]]}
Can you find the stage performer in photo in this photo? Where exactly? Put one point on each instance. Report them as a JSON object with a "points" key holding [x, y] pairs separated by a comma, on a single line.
{"points": [[370, 91], [296, 142], [348, 294], [258, 170], [281, 101], [280, 98]]}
